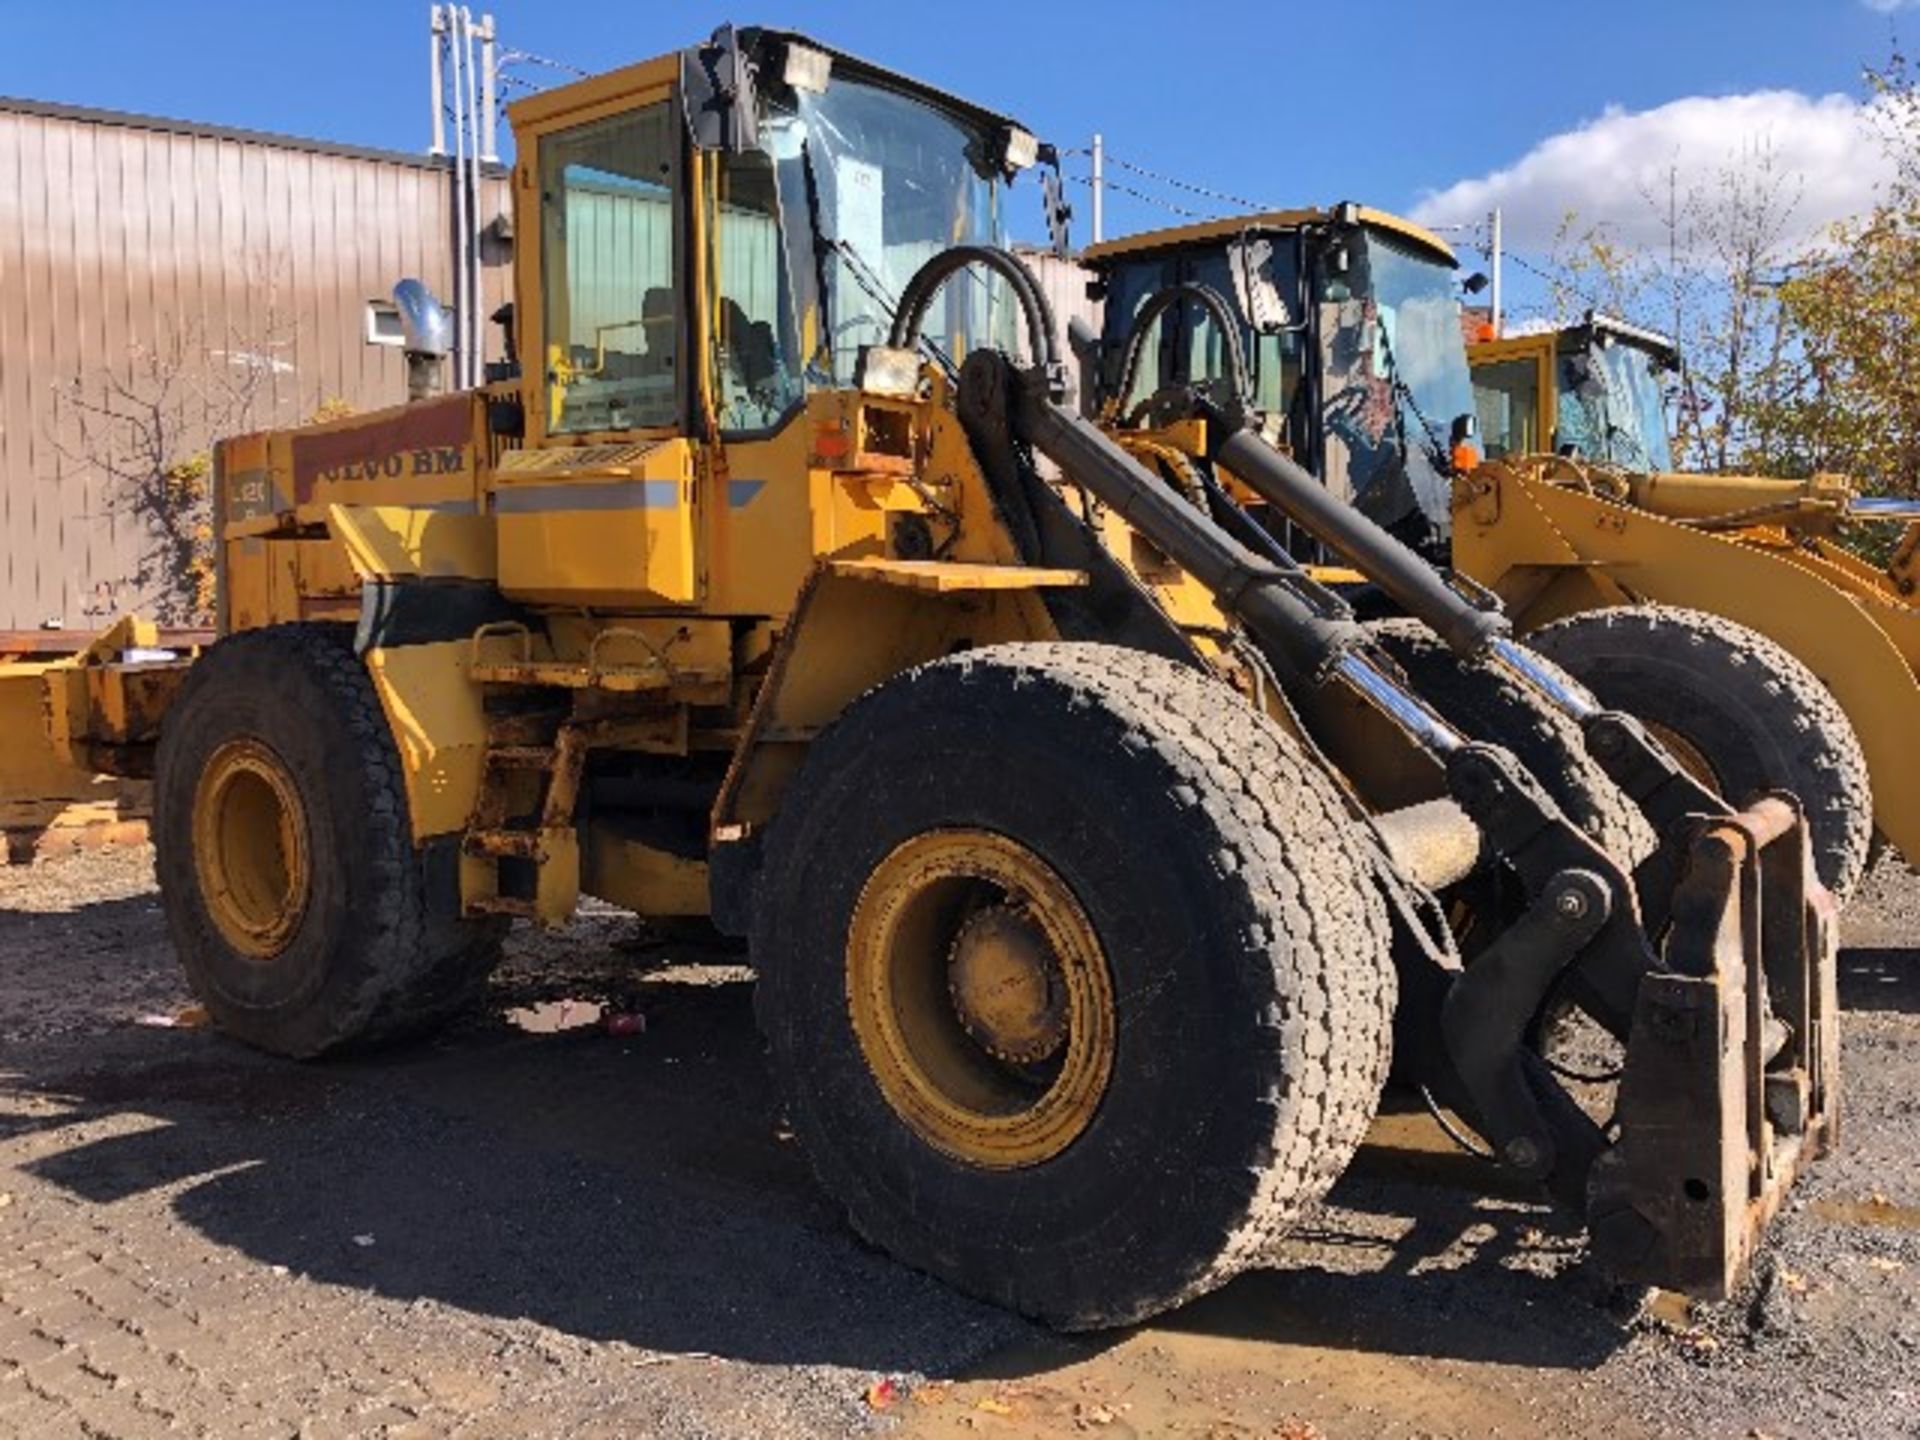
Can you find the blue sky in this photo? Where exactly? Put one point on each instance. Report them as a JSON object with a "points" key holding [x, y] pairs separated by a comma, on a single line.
{"points": [[1389, 101]]}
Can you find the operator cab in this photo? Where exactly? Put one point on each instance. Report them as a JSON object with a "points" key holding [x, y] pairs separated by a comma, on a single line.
{"points": [[1605, 385], [761, 199], [1350, 327], [709, 241]]}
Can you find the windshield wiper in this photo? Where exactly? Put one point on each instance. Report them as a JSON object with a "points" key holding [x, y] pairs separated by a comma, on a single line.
{"points": [[862, 273], [1437, 454], [876, 291]]}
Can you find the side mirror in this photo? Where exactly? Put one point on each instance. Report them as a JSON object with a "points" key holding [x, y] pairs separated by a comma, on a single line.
{"points": [[1250, 261], [717, 90], [1053, 198], [425, 326], [1587, 380]]}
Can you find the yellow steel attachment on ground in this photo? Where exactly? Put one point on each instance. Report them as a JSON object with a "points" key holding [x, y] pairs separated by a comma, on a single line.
{"points": [[981, 997], [1551, 547], [41, 789]]}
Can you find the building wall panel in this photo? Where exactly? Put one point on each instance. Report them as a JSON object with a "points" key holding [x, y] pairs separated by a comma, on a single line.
{"points": [[198, 278]]}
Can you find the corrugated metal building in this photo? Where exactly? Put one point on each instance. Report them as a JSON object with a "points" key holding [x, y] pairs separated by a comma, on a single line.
{"points": [[161, 280]]}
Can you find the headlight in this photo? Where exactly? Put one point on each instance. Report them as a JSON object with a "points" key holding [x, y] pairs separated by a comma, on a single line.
{"points": [[806, 68], [1018, 148]]}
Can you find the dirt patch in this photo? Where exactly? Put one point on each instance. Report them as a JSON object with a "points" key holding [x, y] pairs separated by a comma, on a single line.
{"points": [[541, 1224]]}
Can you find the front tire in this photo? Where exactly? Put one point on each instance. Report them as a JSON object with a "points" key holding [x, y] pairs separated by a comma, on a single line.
{"points": [[1074, 976], [293, 892], [1490, 703], [1747, 716]]}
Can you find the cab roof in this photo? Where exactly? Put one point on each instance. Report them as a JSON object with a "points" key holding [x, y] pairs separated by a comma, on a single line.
{"points": [[1660, 346], [595, 89], [1131, 246]]}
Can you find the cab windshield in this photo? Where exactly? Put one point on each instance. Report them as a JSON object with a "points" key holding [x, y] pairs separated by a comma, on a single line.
{"points": [[1397, 378], [873, 183], [1612, 406]]}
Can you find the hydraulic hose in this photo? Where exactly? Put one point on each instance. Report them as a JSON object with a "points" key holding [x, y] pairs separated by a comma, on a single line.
{"points": [[1208, 299], [917, 298]]}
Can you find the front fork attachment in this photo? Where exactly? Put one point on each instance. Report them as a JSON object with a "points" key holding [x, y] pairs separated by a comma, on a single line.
{"points": [[1730, 1082], [1580, 930]]}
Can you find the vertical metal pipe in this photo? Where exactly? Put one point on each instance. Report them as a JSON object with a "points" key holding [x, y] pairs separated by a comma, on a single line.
{"points": [[1494, 248], [1099, 189], [489, 62], [476, 325], [460, 356], [436, 83]]}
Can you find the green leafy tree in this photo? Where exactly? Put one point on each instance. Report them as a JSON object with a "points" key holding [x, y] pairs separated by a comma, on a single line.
{"points": [[1853, 306]]}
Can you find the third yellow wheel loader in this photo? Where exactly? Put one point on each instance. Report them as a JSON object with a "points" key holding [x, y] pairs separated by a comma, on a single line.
{"points": [[1356, 369], [1580, 504], [1094, 860]]}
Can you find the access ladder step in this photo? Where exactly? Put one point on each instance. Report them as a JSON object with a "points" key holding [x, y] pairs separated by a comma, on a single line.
{"points": [[521, 757], [506, 844]]}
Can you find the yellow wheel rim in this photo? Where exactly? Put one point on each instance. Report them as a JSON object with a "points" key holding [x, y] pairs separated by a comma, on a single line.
{"points": [[250, 848], [981, 999]]}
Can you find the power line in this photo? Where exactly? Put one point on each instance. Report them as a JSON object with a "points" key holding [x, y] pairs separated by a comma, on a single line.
{"points": [[1186, 185], [1179, 210]]}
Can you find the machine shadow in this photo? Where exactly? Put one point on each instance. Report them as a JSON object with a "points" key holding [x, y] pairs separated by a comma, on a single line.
{"points": [[642, 1189], [638, 1189], [1424, 1251]]}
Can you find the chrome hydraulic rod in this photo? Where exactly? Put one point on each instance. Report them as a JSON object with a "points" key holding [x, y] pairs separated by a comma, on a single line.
{"points": [[1552, 683]]}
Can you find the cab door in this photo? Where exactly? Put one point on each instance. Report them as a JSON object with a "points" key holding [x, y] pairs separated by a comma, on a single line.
{"points": [[600, 507]]}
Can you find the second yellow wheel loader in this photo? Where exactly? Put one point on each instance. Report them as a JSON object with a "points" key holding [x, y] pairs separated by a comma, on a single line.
{"points": [[1095, 862], [1357, 369]]}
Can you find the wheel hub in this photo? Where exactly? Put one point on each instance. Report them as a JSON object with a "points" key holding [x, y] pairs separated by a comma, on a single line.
{"points": [[250, 848], [1006, 986], [980, 997]]}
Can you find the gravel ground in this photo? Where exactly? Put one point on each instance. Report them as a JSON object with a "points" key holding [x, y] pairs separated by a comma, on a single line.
{"points": [[531, 1226]]}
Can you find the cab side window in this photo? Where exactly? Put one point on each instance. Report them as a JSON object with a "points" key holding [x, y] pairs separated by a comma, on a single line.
{"points": [[756, 371], [1506, 396], [612, 330]]}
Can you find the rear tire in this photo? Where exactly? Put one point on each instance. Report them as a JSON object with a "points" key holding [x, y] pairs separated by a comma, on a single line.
{"points": [[1753, 714], [1223, 893], [293, 892]]}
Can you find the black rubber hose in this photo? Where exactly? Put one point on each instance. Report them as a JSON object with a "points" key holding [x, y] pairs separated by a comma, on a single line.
{"points": [[927, 280], [1208, 299]]}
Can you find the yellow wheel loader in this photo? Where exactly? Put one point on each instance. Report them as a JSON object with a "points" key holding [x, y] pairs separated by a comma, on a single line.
{"points": [[1580, 506], [1094, 860], [1357, 369]]}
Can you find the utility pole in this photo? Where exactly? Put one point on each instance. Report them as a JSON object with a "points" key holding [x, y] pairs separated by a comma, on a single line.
{"points": [[437, 83], [489, 71], [1099, 189], [1493, 263]]}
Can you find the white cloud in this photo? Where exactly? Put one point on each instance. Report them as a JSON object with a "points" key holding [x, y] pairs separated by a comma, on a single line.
{"points": [[1605, 169], [1887, 7]]}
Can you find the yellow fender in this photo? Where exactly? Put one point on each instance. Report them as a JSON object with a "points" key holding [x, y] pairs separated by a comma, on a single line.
{"points": [[1550, 551]]}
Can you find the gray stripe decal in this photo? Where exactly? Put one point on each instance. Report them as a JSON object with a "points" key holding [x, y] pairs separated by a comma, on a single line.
{"points": [[616, 495], [446, 507], [740, 493]]}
